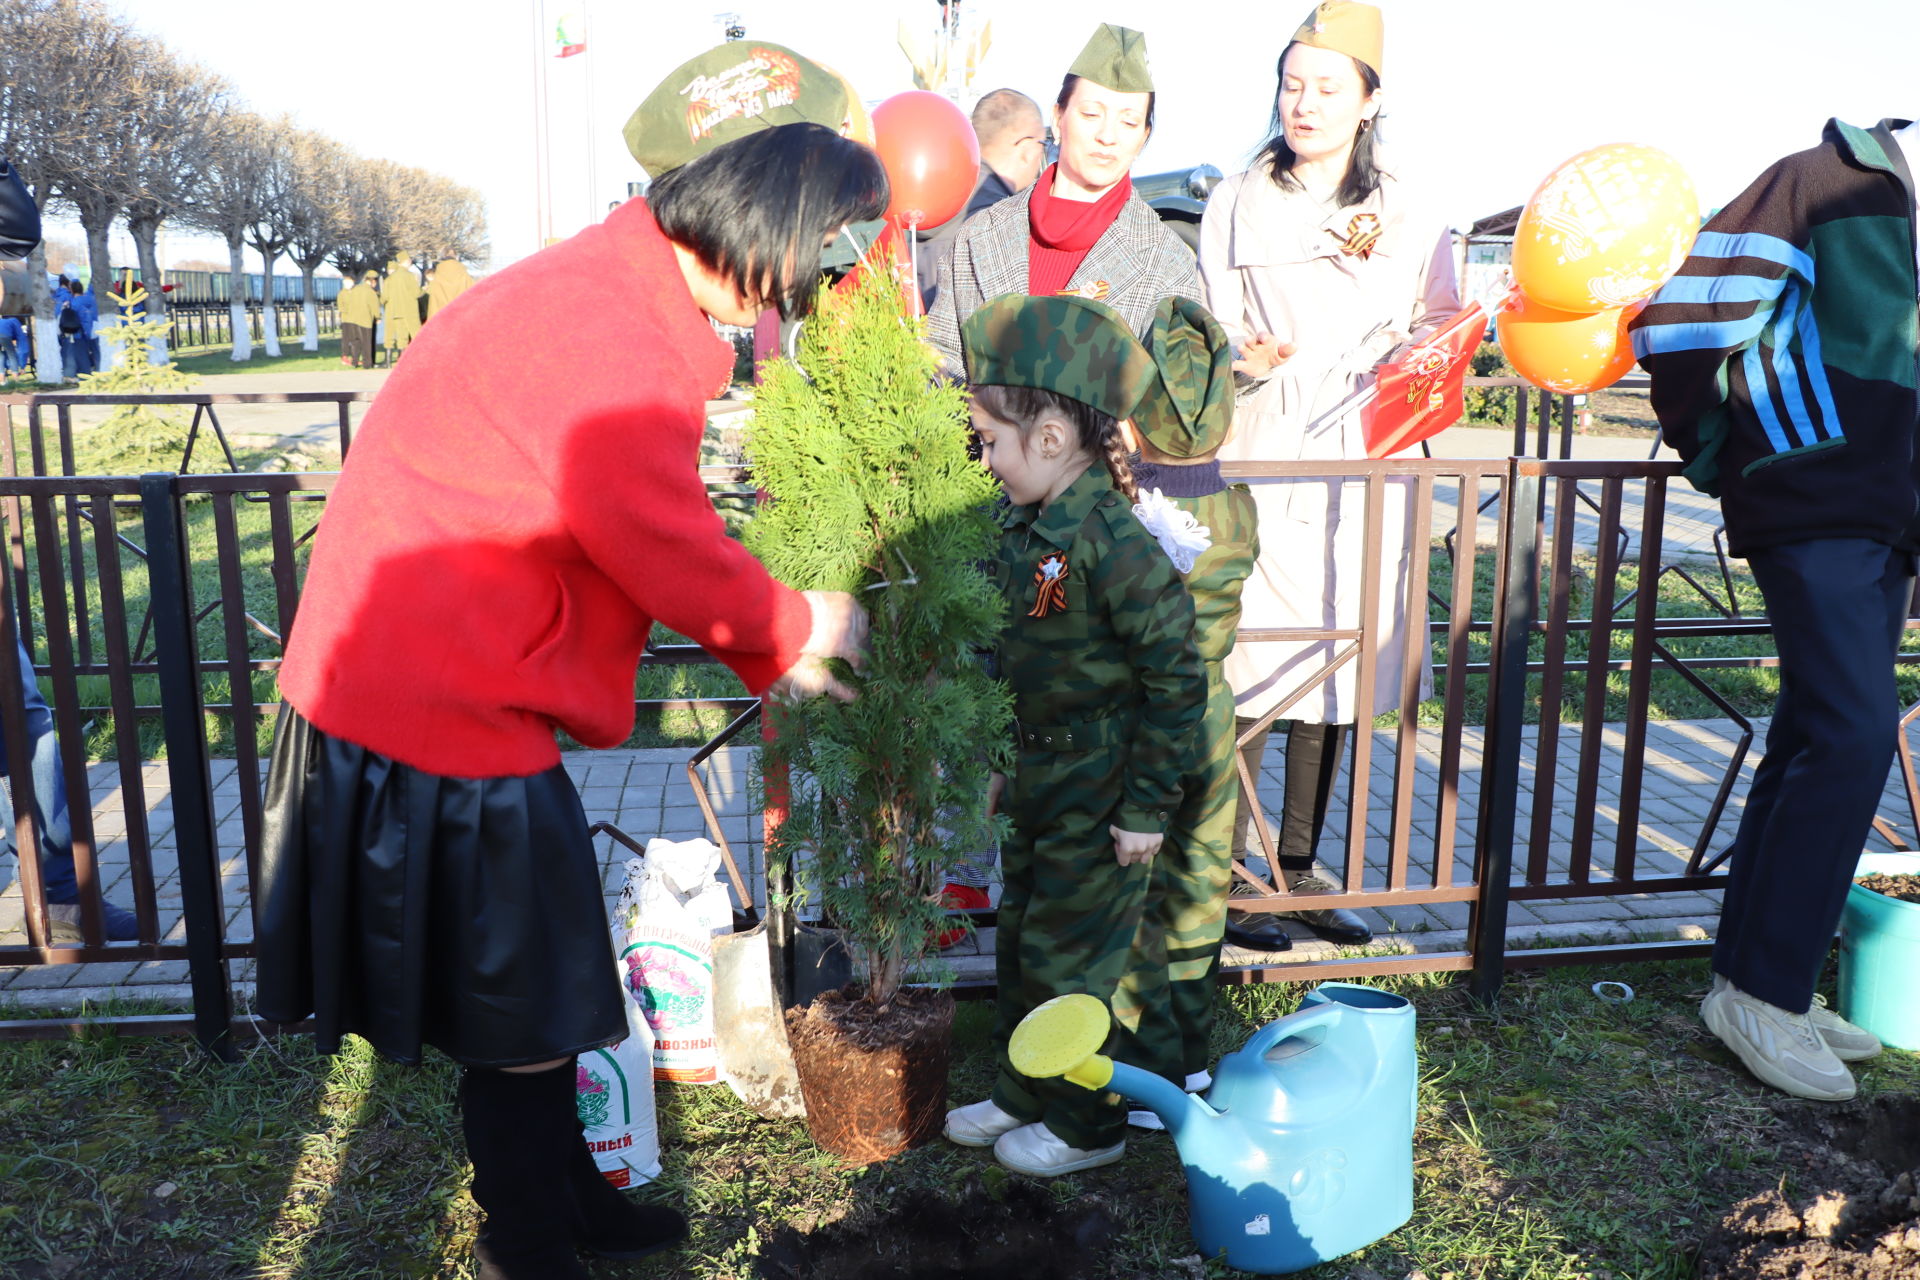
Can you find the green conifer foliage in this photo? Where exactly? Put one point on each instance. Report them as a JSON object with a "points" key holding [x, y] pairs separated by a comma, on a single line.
{"points": [[862, 453], [135, 438]]}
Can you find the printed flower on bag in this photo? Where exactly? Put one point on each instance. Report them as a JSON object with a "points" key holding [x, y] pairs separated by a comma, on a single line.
{"points": [[592, 1098], [667, 994]]}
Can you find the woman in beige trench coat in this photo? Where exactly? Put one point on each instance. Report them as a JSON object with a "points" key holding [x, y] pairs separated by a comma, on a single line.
{"points": [[1318, 265]]}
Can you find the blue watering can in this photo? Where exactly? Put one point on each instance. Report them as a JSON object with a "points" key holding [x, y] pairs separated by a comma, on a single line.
{"points": [[1303, 1148]]}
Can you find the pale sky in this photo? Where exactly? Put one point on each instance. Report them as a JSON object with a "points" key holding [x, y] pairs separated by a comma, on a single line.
{"points": [[1481, 99]]}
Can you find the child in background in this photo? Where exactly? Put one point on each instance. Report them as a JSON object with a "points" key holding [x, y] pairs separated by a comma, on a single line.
{"points": [[1109, 694], [1180, 425]]}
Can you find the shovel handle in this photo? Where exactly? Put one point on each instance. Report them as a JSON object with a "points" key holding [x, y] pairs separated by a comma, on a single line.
{"points": [[1293, 1024]]}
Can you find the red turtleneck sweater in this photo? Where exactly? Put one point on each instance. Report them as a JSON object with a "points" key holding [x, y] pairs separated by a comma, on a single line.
{"points": [[1061, 231]]}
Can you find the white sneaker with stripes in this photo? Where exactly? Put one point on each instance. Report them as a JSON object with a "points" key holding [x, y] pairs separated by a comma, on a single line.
{"points": [[1782, 1049]]}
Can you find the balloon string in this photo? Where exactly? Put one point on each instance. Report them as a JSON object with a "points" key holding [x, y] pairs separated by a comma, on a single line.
{"points": [[913, 261]]}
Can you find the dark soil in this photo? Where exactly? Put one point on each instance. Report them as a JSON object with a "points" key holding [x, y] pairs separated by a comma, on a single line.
{"points": [[1850, 1211], [874, 1079], [1906, 887], [1017, 1229]]}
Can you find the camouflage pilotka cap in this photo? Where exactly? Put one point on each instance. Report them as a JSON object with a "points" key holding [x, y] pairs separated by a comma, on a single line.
{"points": [[1345, 26], [1187, 411], [1117, 58], [1074, 347], [726, 93]]}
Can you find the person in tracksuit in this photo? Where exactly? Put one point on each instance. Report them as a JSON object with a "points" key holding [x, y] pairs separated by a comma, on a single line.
{"points": [[1789, 392]]}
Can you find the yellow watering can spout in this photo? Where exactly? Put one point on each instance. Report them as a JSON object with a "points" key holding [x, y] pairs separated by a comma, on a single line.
{"points": [[1062, 1038]]}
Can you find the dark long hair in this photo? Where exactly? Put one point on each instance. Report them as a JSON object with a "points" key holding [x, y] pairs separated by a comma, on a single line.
{"points": [[756, 209], [1066, 96], [1098, 433], [1363, 167]]}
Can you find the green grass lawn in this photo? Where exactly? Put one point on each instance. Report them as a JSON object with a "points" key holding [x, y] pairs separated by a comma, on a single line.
{"points": [[292, 359], [1559, 1138]]}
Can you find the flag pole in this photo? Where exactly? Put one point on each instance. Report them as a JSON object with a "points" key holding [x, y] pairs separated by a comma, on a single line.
{"points": [[539, 125], [593, 119]]}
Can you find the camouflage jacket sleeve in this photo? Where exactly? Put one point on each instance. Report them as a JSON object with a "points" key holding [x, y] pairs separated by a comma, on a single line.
{"points": [[1152, 616]]}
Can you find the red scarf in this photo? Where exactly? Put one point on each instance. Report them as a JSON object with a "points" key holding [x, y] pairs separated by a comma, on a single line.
{"points": [[1060, 232]]}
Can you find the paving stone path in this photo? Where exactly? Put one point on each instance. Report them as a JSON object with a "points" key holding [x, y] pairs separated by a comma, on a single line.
{"points": [[647, 794]]}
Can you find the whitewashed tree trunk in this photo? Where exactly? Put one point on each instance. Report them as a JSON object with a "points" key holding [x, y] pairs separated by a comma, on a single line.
{"points": [[144, 236], [310, 309], [269, 315], [237, 301]]}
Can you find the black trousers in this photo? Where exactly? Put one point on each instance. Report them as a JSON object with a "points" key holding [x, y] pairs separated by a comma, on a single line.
{"points": [[1838, 606], [356, 344]]}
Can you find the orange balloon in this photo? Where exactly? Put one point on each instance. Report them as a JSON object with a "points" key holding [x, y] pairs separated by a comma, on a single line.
{"points": [[1564, 352], [1607, 228]]}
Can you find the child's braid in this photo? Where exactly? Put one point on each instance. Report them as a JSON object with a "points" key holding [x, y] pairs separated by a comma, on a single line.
{"points": [[1114, 448]]}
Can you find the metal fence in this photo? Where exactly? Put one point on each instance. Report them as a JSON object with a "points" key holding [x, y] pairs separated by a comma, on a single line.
{"points": [[210, 324], [164, 599]]}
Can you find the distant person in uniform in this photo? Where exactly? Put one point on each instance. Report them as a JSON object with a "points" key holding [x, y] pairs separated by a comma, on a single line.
{"points": [[1013, 150], [359, 313], [447, 281], [400, 305]]}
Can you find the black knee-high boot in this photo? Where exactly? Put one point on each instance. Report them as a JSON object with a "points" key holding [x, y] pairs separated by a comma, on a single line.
{"points": [[609, 1224], [521, 1130]]}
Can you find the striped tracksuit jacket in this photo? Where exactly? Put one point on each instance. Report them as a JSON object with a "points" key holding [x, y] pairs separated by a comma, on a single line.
{"points": [[1783, 354]]}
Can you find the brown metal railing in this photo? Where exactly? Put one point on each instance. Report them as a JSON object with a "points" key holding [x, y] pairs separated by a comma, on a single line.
{"points": [[93, 557]]}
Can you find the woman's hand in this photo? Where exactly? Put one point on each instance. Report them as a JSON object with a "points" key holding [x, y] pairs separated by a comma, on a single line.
{"points": [[1130, 847], [996, 791], [839, 631], [1263, 355], [839, 627]]}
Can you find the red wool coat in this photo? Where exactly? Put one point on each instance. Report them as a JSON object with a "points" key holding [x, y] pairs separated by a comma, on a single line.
{"points": [[505, 531]]}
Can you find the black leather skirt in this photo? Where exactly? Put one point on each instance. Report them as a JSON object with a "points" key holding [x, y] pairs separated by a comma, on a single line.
{"points": [[410, 908]]}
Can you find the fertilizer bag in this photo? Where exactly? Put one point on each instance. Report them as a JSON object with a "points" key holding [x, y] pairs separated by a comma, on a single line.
{"points": [[669, 911], [614, 1094]]}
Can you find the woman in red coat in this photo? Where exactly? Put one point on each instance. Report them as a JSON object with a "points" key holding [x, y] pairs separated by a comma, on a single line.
{"points": [[502, 538]]}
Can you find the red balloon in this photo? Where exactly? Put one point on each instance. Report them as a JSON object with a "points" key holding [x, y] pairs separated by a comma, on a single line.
{"points": [[931, 155]]}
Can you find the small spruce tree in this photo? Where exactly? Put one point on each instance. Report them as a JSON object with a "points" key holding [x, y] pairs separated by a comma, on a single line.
{"points": [[862, 452], [135, 437]]}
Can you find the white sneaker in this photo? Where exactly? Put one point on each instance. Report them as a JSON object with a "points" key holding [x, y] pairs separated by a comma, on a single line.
{"points": [[1032, 1149], [981, 1124], [1196, 1082], [1780, 1048], [1848, 1042]]}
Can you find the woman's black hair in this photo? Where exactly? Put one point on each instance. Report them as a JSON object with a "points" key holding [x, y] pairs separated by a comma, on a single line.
{"points": [[756, 209], [1099, 433], [1363, 167], [1066, 95]]}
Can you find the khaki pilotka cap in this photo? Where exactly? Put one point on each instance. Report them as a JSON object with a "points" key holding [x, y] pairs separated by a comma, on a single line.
{"points": [[1187, 411], [1115, 57], [1345, 26], [1071, 346], [726, 93]]}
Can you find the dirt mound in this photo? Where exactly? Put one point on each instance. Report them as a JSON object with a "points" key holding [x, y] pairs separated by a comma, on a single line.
{"points": [[1855, 1209], [1024, 1231]]}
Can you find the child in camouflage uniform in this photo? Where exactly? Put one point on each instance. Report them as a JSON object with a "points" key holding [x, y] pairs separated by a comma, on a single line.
{"points": [[1180, 425], [1109, 694]]}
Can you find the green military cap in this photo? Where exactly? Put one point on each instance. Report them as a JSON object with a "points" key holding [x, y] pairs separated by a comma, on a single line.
{"points": [[1117, 58], [727, 93], [1074, 347], [1187, 410]]}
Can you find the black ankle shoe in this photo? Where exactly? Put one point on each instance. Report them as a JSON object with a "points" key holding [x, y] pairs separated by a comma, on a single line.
{"points": [[553, 1262], [1258, 931], [607, 1223]]}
